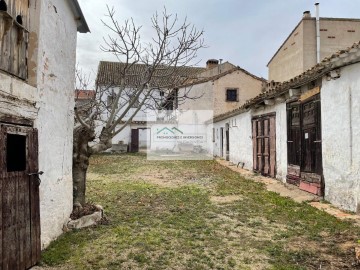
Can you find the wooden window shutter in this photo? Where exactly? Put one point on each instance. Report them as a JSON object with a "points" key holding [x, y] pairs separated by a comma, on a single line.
{"points": [[14, 36]]}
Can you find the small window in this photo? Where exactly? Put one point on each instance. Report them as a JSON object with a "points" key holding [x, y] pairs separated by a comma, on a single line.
{"points": [[213, 135], [15, 153], [231, 95], [162, 93]]}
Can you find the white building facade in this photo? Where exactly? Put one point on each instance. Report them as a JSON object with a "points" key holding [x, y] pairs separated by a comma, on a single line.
{"points": [[36, 112], [304, 131]]}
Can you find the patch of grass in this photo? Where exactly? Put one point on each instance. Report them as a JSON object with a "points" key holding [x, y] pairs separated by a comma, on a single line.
{"points": [[157, 225], [67, 245]]}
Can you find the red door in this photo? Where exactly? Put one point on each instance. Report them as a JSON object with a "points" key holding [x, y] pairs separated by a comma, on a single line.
{"points": [[19, 197]]}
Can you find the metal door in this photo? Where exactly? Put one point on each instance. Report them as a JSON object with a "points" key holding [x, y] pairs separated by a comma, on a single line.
{"points": [[19, 197]]}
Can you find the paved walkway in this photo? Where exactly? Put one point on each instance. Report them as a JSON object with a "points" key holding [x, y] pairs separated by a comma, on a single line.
{"points": [[293, 192]]}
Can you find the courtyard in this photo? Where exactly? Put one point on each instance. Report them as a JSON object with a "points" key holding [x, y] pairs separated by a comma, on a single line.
{"points": [[197, 215]]}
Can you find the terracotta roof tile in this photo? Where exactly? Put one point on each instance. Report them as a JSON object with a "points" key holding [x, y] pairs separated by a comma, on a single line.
{"points": [[113, 73], [336, 60], [84, 94], [218, 76]]}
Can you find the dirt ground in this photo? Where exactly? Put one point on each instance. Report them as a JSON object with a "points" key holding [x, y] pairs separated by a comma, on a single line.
{"points": [[202, 215]]}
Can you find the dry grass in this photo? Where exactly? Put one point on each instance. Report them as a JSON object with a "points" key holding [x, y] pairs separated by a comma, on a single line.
{"points": [[198, 215]]}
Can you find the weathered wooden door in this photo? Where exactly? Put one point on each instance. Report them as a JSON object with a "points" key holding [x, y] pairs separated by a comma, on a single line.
{"points": [[264, 145], [311, 137], [134, 140], [294, 142], [304, 145], [19, 197]]}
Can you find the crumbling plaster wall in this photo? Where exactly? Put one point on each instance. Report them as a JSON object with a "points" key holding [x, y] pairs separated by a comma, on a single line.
{"points": [[47, 98], [56, 57], [340, 110]]}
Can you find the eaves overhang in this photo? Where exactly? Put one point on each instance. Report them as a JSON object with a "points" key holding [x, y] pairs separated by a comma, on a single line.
{"points": [[82, 26]]}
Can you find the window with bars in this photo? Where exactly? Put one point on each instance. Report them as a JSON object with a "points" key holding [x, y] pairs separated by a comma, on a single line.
{"points": [[14, 36], [232, 94]]}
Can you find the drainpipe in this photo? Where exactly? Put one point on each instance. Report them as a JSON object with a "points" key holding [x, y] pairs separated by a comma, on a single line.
{"points": [[317, 33]]}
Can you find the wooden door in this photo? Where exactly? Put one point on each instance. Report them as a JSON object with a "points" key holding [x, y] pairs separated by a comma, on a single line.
{"points": [[304, 145], [19, 196], [294, 142], [264, 145], [227, 137], [311, 137], [221, 142], [134, 140]]}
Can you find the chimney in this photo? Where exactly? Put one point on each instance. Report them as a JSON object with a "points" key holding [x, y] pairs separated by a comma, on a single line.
{"points": [[211, 63], [306, 14], [317, 33]]}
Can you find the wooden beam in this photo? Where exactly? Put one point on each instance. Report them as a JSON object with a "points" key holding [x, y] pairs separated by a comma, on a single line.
{"points": [[269, 102], [280, 99], [294, 92]]}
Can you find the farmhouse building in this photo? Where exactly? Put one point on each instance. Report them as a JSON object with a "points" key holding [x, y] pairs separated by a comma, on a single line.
{"points": [[304, 131], [221, 88], [114, 76], [36, 122], [218, 87]]}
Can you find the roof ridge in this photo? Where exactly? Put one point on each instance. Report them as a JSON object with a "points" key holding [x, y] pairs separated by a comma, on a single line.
{"points": [[326, 65]]}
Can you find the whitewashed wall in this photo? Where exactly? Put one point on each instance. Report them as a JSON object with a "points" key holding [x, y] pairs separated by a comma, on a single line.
{"points": [[55, 84], [340, 109], [241, 146], [240, 133], [217, 143], [281, 136], [51, 75]]}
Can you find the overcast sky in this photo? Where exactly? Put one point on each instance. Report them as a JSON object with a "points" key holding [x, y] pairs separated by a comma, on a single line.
{"points": [[246, 33]]}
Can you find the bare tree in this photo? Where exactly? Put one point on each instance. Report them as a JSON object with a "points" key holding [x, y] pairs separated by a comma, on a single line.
{"points": [[146, 68]]}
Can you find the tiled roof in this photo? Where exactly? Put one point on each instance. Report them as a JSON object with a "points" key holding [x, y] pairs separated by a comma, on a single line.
{"points": [[109, 73], [218, 76], [341, 58], [84, 94]]}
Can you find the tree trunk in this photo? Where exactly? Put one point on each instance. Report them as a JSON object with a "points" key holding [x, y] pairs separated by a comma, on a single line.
{"points": [[81, 155]]}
